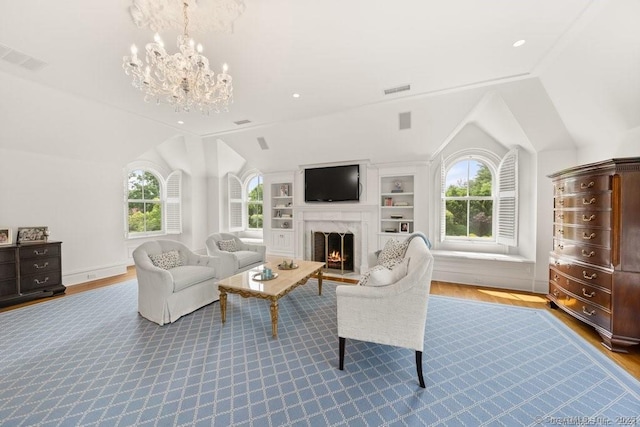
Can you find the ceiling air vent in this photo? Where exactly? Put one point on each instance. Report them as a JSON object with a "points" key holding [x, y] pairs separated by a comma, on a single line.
{"points": [[262, 143], [21, 59], [242, 122], [397, 89]]}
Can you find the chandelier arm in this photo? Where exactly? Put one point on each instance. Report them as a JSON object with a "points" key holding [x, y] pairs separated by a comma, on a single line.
{"points": [[186, 18]]}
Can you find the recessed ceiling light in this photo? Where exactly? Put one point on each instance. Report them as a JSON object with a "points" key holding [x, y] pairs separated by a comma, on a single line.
{"points": [[519, 43], [296, 95], [180, 122]]}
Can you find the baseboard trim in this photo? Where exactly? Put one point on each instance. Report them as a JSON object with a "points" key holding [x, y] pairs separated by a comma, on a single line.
{"points": [[79, 277]]}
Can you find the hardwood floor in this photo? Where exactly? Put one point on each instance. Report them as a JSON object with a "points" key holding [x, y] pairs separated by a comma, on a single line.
{"points": [[630, 361]]}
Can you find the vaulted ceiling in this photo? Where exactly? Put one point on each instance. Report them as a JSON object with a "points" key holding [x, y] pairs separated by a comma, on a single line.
{"points": [[574, 83]]}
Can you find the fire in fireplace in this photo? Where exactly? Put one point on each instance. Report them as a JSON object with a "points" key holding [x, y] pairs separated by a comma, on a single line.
{"points": [[334, 249]]}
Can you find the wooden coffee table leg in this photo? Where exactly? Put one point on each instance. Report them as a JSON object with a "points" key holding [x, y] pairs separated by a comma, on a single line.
{"points": [[274, 318], [320, 282], [223, 305]]}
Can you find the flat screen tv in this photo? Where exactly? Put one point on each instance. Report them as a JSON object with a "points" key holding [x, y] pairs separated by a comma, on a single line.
{"points": [[332, 184]]}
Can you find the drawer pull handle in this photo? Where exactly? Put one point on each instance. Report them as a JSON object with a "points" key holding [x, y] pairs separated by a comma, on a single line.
{"points": [[591, 295], [588, 236], [38, 282], [561, 246], [44, 252], [556, 262], [561, 188], [556, 293], [590, 277], [45, 265], [561, 231], [589, 185], [589, 202], [555, 277], [588, 254], [588, 218], [561, 202], [588, 313], [560, 216]]}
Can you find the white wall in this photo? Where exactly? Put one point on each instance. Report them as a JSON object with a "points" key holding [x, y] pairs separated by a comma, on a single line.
{"points": [[80, 201]]}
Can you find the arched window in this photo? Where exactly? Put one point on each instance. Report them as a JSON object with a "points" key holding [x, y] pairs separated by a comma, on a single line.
{"points": [[254, 200], [479, 198], [469, 200], [153, 204], [245, 202]]}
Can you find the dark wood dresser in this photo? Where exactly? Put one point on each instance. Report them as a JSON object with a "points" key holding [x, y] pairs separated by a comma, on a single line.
{"points": [[30, 271], [594, 268]]}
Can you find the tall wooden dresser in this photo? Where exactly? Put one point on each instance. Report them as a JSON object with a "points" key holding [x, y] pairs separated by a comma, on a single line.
{"points": [[594, 268]]}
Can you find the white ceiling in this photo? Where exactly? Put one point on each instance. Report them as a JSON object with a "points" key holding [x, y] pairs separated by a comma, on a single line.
{"points": [[339, 55]]}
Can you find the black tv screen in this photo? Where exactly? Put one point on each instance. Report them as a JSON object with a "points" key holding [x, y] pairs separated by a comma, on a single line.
{"points": [[332, 184]]}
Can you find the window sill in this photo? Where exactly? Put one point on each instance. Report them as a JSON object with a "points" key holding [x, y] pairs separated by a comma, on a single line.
{"points": [[144, 236], [482, 256]]}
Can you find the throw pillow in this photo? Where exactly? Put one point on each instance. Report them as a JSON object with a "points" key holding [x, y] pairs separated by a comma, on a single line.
{"points": [[386, 276], [392, 253], [364, 280], [166, 260], [227, 245]]}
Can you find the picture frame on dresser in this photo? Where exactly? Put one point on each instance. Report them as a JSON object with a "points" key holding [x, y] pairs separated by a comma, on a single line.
{"points": [[38, 234], [5, 236]]}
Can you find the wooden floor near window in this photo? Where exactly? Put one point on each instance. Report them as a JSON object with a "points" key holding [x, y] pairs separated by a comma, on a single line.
{"points": [[630, 361]]}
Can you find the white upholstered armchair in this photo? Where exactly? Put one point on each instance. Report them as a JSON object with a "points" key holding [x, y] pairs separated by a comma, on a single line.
{"points": [[393, 314], [234, 252], [173, 280]]}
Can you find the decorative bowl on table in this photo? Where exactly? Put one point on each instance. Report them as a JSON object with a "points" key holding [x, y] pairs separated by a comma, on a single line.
{"points": [[284, 265]]}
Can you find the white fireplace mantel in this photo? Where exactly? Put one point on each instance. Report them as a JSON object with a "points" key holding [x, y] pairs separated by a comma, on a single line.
{"points": [[339, 218]]}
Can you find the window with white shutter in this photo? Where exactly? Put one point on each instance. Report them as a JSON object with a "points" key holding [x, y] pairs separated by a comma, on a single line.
{"points": [[508, 199], [236, 222], [173, 203]]}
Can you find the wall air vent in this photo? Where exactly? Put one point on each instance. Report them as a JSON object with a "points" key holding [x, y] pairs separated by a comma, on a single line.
{"points": [[242, 122], [397, 89], [21, 59], [262, 143], [404, 120]]}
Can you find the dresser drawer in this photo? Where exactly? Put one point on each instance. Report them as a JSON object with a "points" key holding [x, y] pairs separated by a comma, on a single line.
{"points": [[582, 184], [39, 251], [594, 295], [8, 255], [7, 271], [39, 265], [585, 218], [584, 201], [588, 275], [39, 281], [593, 236], [8, 287], [578, 308], [584, 253]]}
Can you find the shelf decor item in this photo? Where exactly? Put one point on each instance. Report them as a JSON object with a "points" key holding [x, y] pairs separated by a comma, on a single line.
{"points": [[33, 234], [284, 190], [404, 227], [5, 236], [397, 187], [287, 265]]}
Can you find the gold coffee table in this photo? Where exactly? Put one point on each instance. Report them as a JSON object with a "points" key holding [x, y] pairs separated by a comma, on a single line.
{"points": [[287, 280]]}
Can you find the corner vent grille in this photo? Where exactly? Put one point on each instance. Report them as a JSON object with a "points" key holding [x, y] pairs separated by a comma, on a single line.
{"points": [[397, 89], [21, 59], [242, 122]]}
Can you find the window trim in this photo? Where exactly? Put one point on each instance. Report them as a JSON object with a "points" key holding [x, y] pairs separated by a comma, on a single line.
{"points": [[247, 202]]}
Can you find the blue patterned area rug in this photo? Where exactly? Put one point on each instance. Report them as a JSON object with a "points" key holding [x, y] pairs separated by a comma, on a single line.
{"points": [[90, 360]]}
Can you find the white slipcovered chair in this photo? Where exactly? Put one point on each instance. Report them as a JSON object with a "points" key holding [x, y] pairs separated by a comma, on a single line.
{"points": [[392, 314], [233, 251], [174, 281]]}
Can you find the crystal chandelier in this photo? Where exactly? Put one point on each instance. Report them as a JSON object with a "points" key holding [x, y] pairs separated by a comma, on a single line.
{"points": [[182, 79]]}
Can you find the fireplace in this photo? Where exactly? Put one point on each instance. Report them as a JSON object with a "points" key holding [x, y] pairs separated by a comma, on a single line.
{"points": [[334, 249]]}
